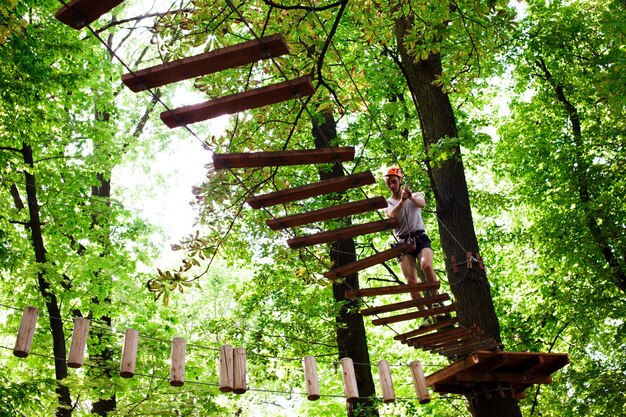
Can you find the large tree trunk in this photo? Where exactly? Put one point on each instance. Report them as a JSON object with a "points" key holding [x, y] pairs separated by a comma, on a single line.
{"points": [[456, 229], [351, 337], [54, 313]]}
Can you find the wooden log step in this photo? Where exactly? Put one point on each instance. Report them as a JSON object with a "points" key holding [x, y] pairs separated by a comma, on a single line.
{"points": [[414, 315], [206, 63], [79, 13], [328, 213], [333, 185], [426, 329], [379, 258], [342, 233], [423, 301], [394, 289], [235, 103], [282, 158]]}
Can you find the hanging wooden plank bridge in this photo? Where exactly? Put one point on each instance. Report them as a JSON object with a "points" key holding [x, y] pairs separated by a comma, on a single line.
{"points": [[480, 367]]}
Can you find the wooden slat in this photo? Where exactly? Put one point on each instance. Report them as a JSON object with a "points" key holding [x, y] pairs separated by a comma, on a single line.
{"points": [[206, 63], [414, 315], [445, 342], [379, 258], [333, 185], [394, 289], [235, 103], [448, 372], [530, 379], [328, 213], [466, 348], [342, 233], [282, 158], [80, 13], [426, 329], [423, 301], [452, 333]]}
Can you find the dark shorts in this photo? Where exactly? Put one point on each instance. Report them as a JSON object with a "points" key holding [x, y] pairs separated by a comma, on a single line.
{"points": [[421, 241]]}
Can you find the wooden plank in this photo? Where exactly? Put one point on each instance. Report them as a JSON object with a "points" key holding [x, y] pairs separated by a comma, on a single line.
{"points": [[414, 315], [451, 334], [333, 185], [206, 63], [445, 342], [342, 233], [423, 301], [79, 13], [328, 213], [530, 379], [282, 158], [235, 103], [443, 375], [466, 348], [394, 289], [379, 258], [426, 329]]}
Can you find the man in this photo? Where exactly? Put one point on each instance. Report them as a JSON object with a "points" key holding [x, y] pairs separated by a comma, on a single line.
{"points": [[406, 207]]}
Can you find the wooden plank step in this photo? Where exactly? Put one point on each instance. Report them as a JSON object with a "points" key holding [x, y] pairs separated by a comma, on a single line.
{"points": [[328, 213], [333, 185], [423, 301], [446, 341], [454, 333], [464, 348], [235, 103], [282, 158], [426, 329], [414, 315], [206, 63], [394, 289], [342, 233], [379, 258], [79, 13]]}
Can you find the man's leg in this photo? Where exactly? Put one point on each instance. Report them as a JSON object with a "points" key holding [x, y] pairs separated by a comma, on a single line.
{"points": [[426, 264], [408, 266]]}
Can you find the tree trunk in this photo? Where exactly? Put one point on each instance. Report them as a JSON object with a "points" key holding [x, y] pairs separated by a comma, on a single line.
{"points": [[351, 337], [470, 286], [54, 313]]}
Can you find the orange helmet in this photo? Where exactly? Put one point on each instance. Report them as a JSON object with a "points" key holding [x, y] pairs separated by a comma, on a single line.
{"points": [[394, 171]]}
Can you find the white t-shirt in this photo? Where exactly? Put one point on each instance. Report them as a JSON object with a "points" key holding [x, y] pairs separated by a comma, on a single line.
{"points": [[409, 217]]}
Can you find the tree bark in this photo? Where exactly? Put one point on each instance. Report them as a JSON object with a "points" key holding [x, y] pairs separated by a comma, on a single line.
{"points": [[351, 337], [470, 286], [54, 312]]}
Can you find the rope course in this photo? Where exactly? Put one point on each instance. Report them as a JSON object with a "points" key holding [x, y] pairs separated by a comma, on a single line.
{"points": [[479, 370]]}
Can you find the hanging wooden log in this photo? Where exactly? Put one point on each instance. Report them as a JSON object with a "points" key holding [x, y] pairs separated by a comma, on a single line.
{"points": [[129, 353], [26, 332], [349, 380], [206, 63], [239, 371], [386, 383], [310, 378], [391, 290], [328, 213], [379, 258], [333, 185], [226, 368], [343, 233], [419, 382], [235, 103], [282, 158], [79, 13], [415, 315], [420, 302], [177, 368], [79, 342]]}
